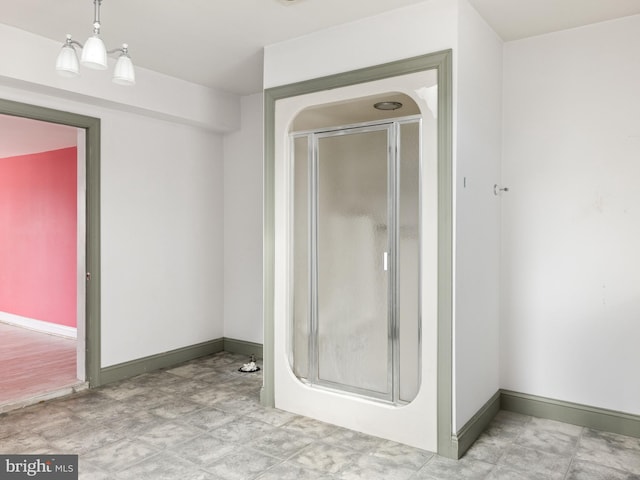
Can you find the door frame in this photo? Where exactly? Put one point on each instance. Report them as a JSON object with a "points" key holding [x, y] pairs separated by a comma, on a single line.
{"points": [[91, 125], [442, 63]]}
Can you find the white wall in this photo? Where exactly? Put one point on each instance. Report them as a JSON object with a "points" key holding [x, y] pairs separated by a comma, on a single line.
{"points": [[406, 32], [571, 223], [477, 51], [477, 215], [243, 224], [161, 196], [162, 241]]}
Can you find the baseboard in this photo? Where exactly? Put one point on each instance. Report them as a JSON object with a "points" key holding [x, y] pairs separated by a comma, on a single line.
{"points": [[551, 409], [471, 430], [574, 413], [161, 360], [38, 325], [242, 347]]}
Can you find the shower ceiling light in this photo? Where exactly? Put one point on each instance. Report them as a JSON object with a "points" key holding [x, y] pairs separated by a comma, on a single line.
{"points": [[387, 105], [94, 55]]}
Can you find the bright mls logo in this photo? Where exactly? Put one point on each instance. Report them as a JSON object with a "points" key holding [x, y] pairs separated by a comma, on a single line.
{"points": [[51, 467]]}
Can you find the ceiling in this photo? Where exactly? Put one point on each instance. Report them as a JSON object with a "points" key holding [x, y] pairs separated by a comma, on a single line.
{"points": [[219, 43], [22, 136]]}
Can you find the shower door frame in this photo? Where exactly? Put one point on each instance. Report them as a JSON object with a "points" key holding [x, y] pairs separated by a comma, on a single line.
{"points": [[393, 129]]}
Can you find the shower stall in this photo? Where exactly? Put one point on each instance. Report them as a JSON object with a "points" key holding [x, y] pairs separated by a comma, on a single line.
{"points": [[356, 255], [355, 304]]}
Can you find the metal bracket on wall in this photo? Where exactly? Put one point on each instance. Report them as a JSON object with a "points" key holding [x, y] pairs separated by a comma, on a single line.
{"points": [[497, 189]]}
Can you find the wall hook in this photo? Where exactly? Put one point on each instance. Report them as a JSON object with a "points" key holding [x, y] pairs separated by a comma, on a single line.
{"points": [[497, 189]]}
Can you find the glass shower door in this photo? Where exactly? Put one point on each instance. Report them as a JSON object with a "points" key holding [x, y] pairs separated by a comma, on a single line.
{"points": [[352, 262], [355, 259]]}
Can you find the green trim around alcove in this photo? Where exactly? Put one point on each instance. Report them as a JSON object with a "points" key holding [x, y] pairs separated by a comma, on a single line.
{"points": [[440, 61]]}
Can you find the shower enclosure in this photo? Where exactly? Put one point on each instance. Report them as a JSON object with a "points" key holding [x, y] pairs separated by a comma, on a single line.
{"points": [[355, 323]]}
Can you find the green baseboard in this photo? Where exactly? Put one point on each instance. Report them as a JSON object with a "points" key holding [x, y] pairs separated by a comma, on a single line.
{"points": [[469, 433], [541, 407], [124, 370], [242, 347], [574, 413], [161, 360]]}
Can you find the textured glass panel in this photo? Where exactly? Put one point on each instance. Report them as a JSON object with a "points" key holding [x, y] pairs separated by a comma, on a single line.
{"points": [[409, 260], [301, 257], [352, 238]]}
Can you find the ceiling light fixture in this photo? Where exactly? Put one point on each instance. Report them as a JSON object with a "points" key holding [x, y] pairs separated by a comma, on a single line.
{"points": [[387, 105], [94, 55]]}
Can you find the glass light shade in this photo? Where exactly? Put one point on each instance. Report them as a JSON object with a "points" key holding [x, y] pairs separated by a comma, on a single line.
{"points": [[67, 62], [94, 54], [123, 73]]}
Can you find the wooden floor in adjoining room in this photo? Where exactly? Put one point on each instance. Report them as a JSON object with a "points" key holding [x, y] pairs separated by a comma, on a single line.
{"points": [[34, 363]]}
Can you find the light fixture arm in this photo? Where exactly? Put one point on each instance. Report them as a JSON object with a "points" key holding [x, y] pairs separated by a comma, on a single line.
{"points": [[123, 49], [71, 42]]}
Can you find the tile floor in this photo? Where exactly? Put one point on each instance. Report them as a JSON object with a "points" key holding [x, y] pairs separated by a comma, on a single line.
{"points": [[202, 421]]}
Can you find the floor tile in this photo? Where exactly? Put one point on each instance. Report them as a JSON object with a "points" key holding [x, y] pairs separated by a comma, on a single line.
{"points": [[25, 443], [209, 396], [189, 370], [160, 467], [489, 447], [168, 434], [310, 426], [238, 405], [205, 449], [596, 439], [368, 467], [501, 472], [119, 455], [545, 464], [351, 440], [581, 470], [175, 408], [603, 453], [402, 454], [242, 430], [208, 419], [440, 468], [293, 471], [505, 418], [124, 390], [325, 458], [272, 416], [84, 441], [244, 464], [281, 443], [87, 471], [550, 436]]}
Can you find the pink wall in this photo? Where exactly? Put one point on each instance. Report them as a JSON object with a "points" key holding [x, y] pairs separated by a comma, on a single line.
{"points": [[38, 225]]}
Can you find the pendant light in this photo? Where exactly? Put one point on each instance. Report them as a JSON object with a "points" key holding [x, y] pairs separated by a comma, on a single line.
{"points": [[94, 55]]}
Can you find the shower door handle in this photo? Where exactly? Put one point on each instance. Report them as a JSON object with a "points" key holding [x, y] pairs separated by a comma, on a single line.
{"points": [[385, 261]]}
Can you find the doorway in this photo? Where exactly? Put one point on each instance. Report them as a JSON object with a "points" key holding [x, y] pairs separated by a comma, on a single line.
{"points": [[88, 242]]}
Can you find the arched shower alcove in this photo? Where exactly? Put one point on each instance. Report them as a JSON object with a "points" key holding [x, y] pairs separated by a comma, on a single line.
{"points": [[311, 371]]}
